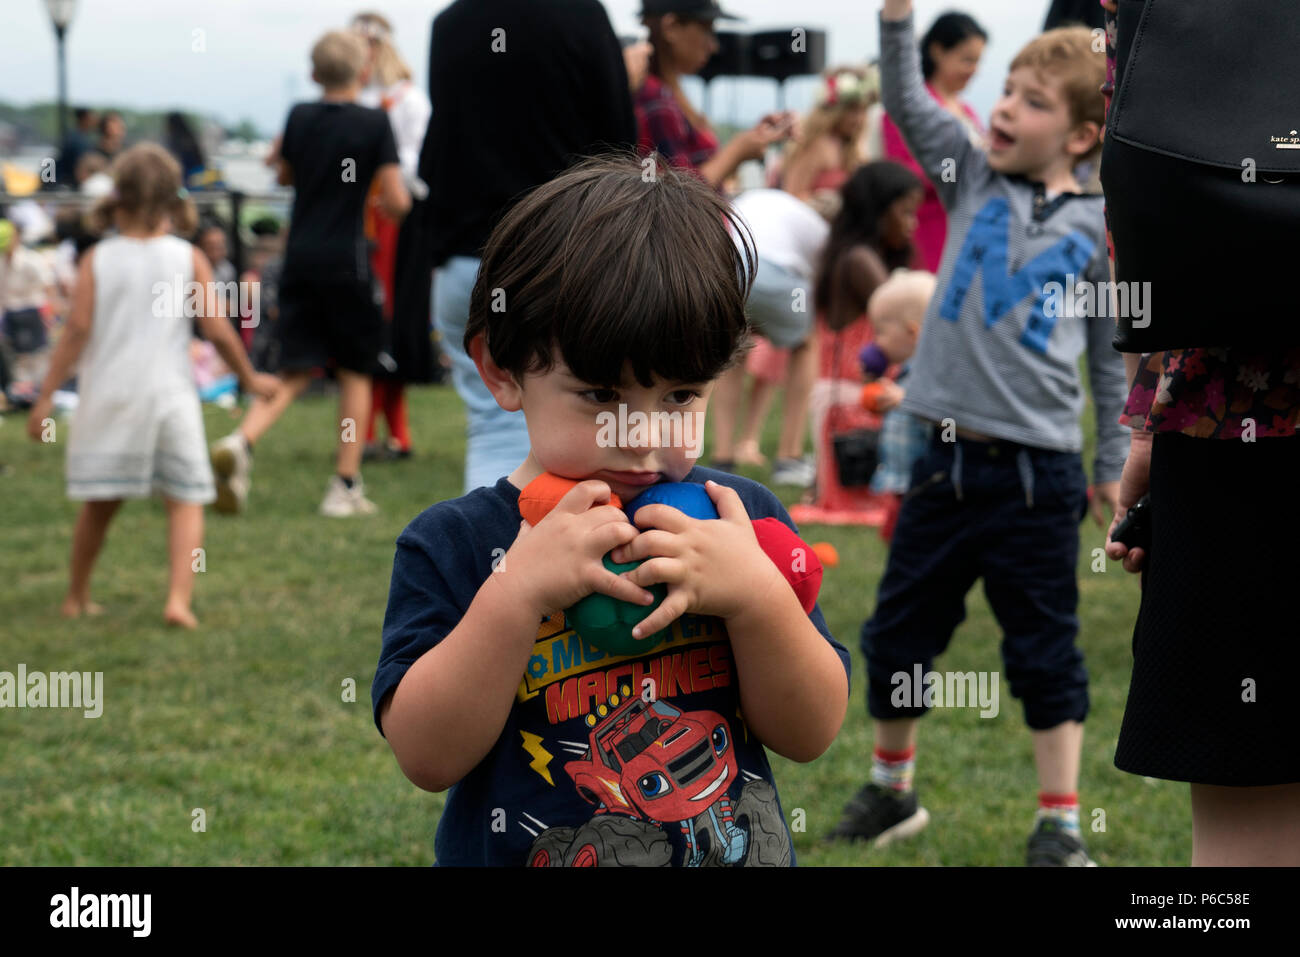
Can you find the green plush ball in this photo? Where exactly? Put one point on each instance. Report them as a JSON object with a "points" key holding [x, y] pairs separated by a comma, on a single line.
{"points": [[607, 622]]}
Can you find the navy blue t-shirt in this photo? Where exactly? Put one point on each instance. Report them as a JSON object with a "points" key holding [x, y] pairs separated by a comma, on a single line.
{"points": [[632, 760]]}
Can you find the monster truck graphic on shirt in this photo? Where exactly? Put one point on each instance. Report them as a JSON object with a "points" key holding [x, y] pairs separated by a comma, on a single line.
{"points": [[648, 764]]}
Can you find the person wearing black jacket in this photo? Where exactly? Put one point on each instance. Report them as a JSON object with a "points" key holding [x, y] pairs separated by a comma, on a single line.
{"points": [[520, 89], [1066, 12]]}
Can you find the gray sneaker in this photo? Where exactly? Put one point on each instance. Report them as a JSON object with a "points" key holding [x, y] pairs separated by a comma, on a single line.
{"points": [[1052, 846], [801, 472], [881, 816], [343, 502]]}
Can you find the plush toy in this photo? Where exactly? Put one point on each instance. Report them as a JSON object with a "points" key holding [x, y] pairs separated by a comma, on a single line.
{"points": [[544, 492], [607, 622]]}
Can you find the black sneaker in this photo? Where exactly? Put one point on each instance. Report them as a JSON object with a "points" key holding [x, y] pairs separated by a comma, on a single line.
{"points": [[880, 815], [1052, 846]]}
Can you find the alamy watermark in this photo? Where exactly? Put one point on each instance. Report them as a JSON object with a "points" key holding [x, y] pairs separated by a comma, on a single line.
{"points": [[58, 689], [637, 429], [179, 298], [127, 911], [1093, 300], [952, 689]]}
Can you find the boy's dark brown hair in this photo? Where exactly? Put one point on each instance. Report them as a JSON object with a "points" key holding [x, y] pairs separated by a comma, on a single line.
{"points": [[612, 266]]}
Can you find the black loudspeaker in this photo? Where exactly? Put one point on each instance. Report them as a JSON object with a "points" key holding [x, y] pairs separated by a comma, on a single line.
{"points": [[732, 58], [782, 54]]}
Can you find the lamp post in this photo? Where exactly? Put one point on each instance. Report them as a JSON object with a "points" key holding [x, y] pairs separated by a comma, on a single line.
{"points": [[61, 13]]}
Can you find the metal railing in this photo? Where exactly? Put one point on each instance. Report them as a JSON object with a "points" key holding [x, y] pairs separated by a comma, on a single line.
{"points": [[233, 199]]}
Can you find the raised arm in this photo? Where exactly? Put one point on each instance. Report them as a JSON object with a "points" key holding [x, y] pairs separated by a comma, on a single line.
{"points": [[935, 137]]}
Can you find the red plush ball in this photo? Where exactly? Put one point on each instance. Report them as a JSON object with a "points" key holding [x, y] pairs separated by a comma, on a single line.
{"points": [[794, 557]]}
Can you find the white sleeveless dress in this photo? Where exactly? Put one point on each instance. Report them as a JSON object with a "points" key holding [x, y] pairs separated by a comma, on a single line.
{"points": [[138, 425]]}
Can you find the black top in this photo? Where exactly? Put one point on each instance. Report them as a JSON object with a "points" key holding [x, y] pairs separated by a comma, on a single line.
{"points": [[334, 150], [520, 89], [76, 145], [1064, 13]]}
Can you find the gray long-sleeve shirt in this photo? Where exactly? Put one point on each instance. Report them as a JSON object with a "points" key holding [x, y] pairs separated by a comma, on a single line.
{"points": [[999, 351]]}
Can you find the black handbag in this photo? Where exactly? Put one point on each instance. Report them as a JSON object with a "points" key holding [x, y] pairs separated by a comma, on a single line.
{"points": [[856, 451], [1201, 169]]}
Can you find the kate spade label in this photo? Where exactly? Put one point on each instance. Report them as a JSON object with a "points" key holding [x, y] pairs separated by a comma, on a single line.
{"points": [[1289, 142]]}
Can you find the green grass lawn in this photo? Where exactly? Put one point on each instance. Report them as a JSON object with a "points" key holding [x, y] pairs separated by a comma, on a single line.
{"points": [[245, 718]]}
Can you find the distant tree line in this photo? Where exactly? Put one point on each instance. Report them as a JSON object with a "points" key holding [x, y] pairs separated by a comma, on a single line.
{"points": [[38, 123]]}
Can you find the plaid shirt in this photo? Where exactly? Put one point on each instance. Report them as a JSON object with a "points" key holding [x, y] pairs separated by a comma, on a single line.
{"points": [[662, 127], [903, 439]]}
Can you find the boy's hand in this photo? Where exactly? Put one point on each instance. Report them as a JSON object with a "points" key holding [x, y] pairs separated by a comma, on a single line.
{"points": [[891, 394], [552, 565], [1105, 496], [712, 566], [636, 58], [897, 9]]}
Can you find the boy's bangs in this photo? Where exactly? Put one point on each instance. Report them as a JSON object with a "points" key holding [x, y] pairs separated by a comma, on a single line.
{"points": [[669, 299], [665, 311], [608, 268]]}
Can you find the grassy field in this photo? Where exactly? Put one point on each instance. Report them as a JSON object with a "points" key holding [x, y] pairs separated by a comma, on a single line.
{"points": [[246, 718]]}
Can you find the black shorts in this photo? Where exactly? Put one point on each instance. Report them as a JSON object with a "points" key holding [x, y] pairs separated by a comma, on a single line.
{"points": [[1216, 647], [329, 323]]}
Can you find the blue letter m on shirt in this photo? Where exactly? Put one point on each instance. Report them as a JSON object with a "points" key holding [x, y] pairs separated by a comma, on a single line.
{"points": [[985, 249]]}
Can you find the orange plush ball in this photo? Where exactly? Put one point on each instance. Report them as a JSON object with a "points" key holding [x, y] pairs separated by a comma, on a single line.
{"points": [[542, 494], [829, 555]]}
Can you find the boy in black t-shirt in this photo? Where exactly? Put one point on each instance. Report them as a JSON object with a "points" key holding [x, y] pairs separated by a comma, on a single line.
{"points": [[336, 154], [605, 295]]}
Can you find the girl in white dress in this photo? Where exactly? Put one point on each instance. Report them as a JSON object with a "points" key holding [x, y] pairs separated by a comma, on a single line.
{"points": [[138, 426]]}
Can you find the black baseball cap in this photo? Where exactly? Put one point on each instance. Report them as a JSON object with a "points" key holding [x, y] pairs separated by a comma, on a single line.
{"points": [[695, 9]]}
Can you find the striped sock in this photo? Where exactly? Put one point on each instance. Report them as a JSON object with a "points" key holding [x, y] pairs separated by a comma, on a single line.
{"points": [[1061, 808], [893, 769]]}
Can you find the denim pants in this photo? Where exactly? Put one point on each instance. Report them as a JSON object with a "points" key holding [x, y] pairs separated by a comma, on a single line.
{"points": [[1006, 513], [497, 440]]}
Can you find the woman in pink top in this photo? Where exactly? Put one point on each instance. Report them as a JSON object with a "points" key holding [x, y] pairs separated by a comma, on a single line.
{"points": [[950, 55]]}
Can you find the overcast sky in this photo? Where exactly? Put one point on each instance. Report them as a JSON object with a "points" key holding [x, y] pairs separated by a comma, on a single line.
{"points": [[140, 53]]}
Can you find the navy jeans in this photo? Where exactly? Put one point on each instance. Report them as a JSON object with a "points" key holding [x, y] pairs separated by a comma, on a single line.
{"points": [[1008, 514]]}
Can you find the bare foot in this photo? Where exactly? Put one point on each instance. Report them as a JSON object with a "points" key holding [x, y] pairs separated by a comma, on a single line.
{"points": [[180, 616], [747, 453], [76, 607]]}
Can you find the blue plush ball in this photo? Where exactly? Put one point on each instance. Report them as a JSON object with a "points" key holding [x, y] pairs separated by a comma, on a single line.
{"points": [[688, 497]]}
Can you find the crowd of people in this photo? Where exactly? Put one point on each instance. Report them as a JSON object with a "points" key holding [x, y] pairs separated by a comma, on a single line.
{"points": [[847, 286]]}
